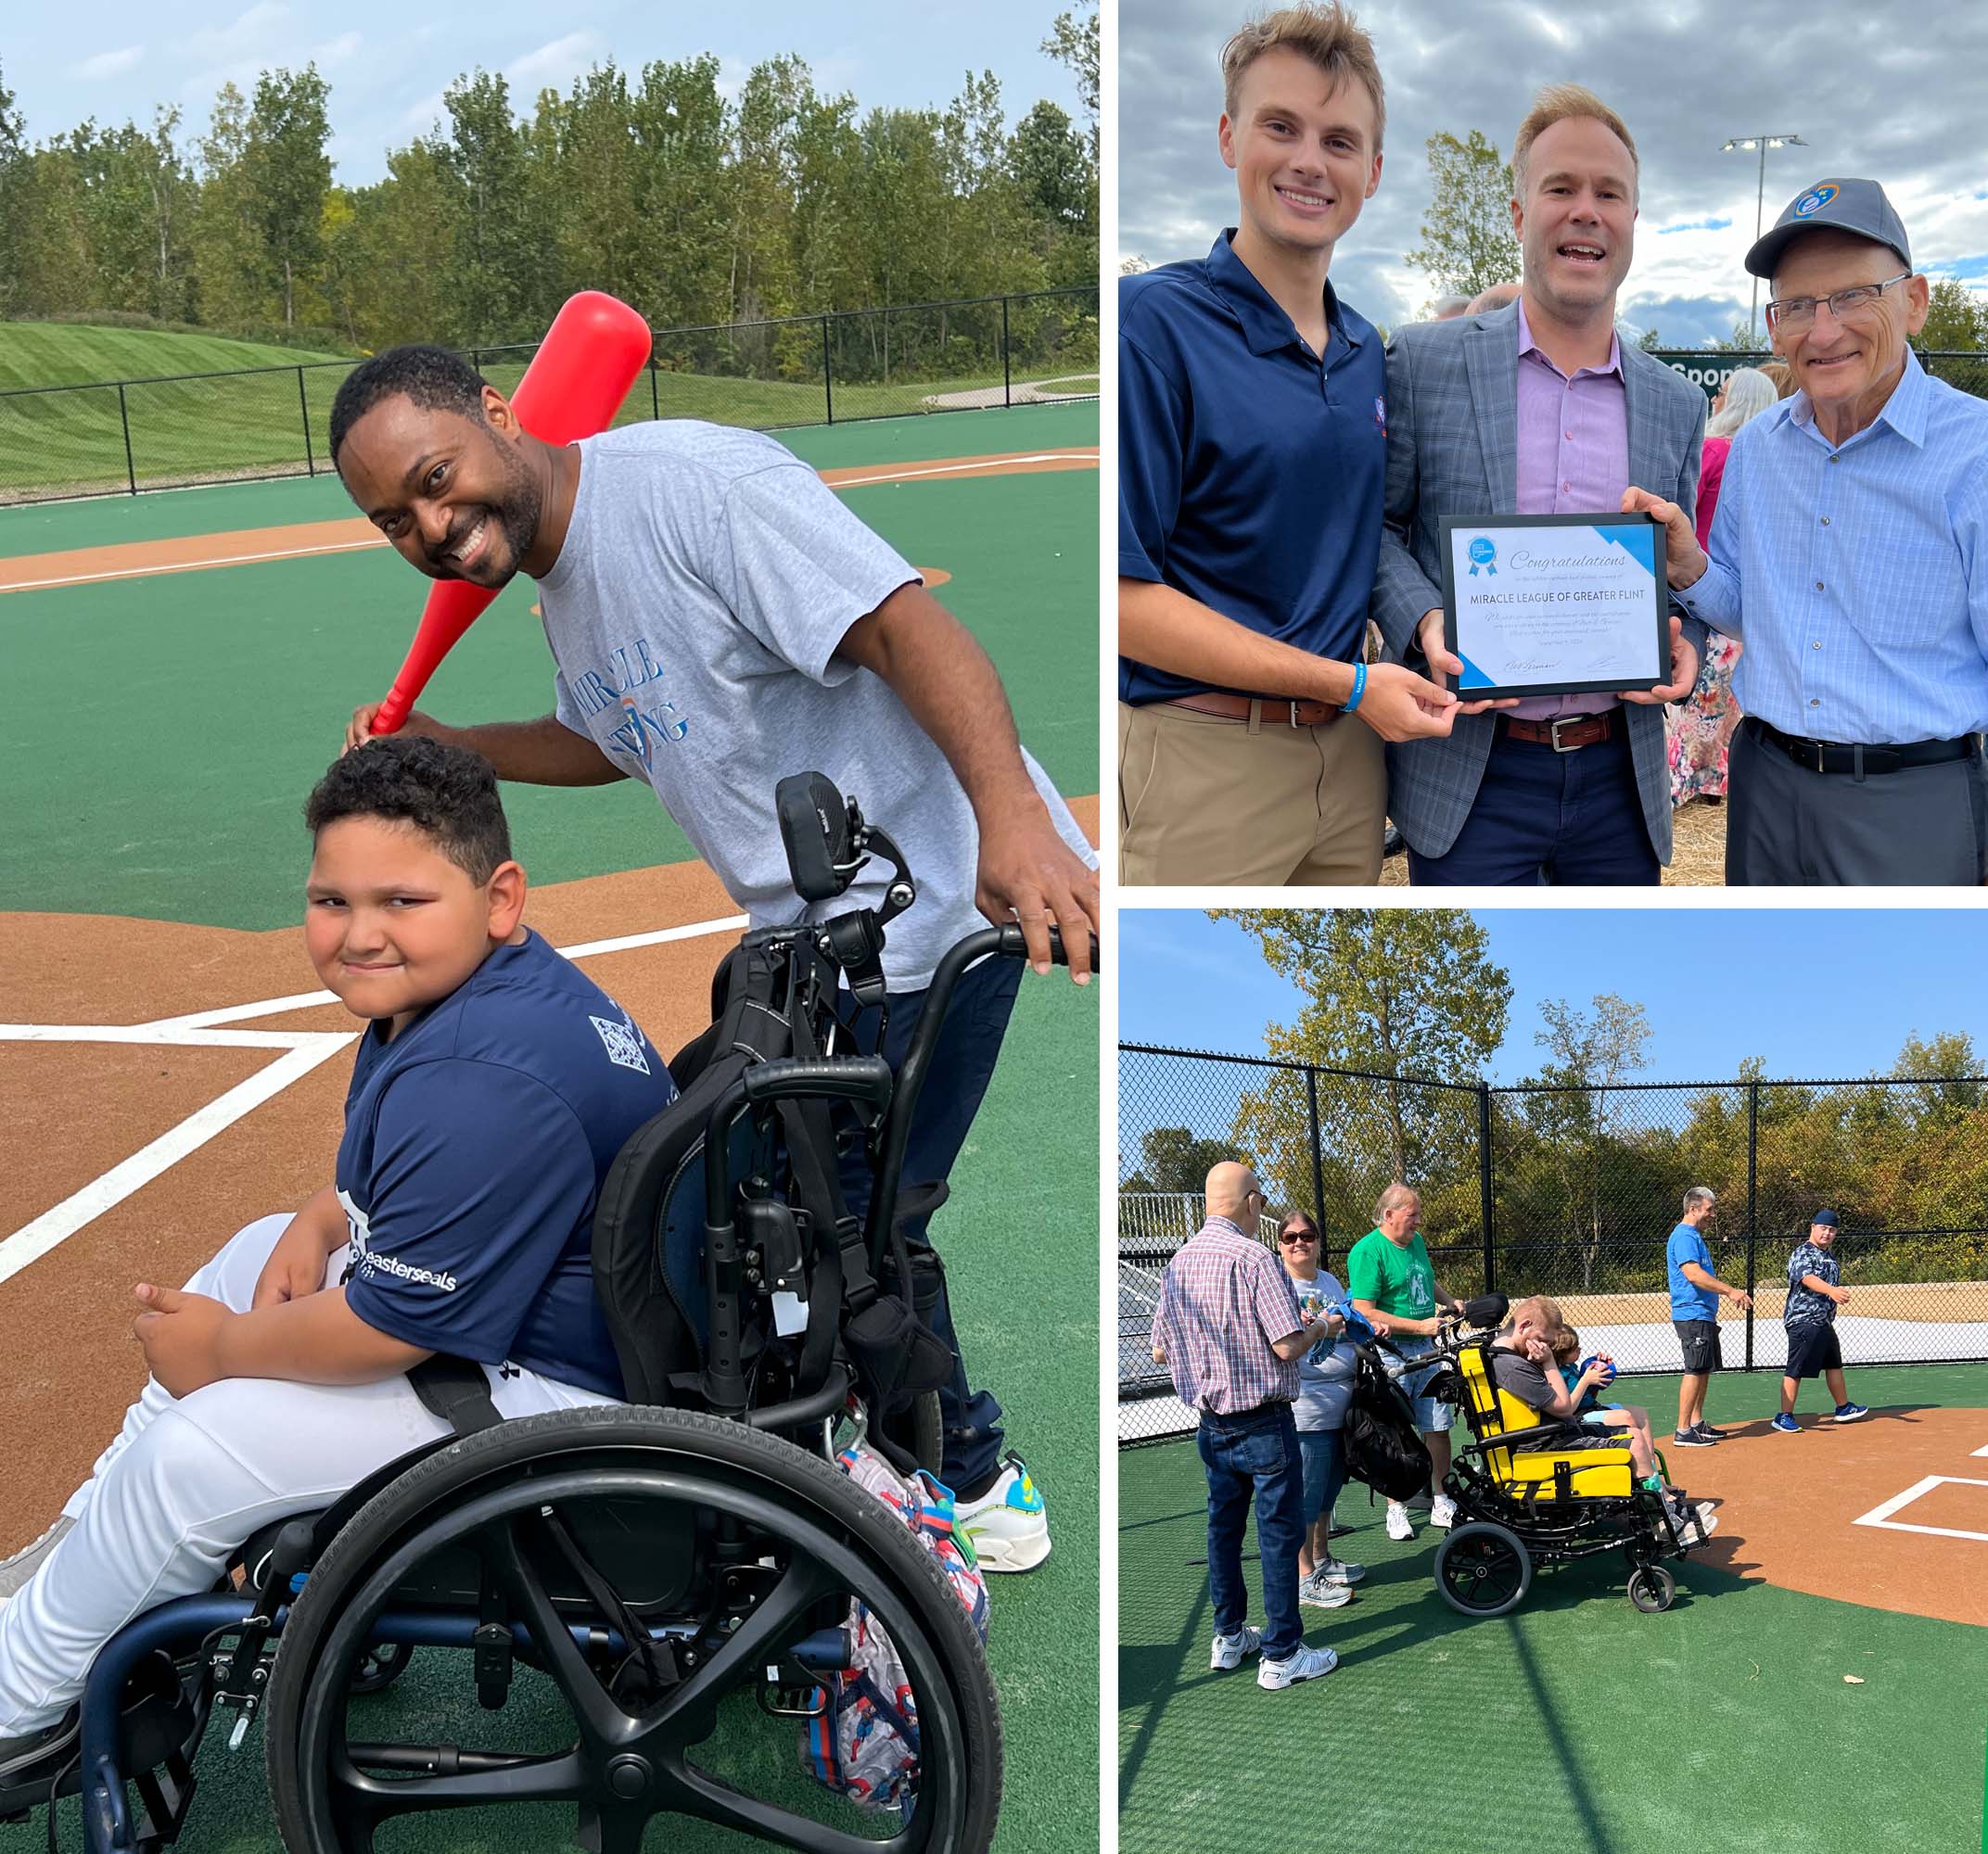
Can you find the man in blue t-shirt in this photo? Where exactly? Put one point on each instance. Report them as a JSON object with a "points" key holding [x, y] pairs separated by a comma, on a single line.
{"points": [[493, 1086], [1253, 449], [1695, 1295]]}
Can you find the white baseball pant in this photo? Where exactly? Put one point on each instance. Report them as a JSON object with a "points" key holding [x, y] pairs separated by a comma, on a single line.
{"points": [[189, 1478]]}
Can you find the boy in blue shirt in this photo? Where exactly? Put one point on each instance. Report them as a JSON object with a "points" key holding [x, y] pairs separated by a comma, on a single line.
{"points": [[1809, 1317], [493, 1086]]}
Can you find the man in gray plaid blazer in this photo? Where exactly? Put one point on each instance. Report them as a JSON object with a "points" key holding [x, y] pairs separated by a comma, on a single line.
{"points": [[1535, 409]]}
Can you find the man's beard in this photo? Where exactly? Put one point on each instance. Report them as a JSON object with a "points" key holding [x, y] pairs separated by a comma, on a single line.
{"points": [[516, 517]]}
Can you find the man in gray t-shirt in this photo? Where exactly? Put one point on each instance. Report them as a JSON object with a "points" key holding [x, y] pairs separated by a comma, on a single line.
{"points": [[719, 620]]}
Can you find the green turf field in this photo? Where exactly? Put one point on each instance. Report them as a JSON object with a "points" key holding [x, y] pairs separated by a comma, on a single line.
{"points": [[216, 698], [254, 424], [1574, 1724], [227, 690]]}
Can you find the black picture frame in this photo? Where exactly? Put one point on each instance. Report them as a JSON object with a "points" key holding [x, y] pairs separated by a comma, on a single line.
{"points": [[1659, 604]]}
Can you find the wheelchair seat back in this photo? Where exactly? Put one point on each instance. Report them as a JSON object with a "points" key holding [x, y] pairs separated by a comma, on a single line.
{"points": [[648, 1227]]}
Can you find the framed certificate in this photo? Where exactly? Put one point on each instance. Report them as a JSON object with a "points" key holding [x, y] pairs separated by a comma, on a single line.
{"points": [[1556, 604]]}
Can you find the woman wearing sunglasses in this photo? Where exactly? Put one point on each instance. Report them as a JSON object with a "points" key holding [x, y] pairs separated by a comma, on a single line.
{"points": [[1325, 1386]]}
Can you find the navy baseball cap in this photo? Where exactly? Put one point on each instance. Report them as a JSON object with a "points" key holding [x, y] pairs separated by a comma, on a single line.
{"points": [[1856, 206], [1824, 1217]]}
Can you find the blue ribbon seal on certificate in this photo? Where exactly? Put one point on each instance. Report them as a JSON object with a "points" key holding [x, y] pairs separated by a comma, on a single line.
{"points": [[1483, 553]]}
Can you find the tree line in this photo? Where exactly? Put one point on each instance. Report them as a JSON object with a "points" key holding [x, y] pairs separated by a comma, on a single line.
{"points": [[1588, 1169], [648, 183]]}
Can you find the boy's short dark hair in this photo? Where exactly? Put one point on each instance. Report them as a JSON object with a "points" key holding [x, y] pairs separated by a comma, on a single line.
{"points": [[434, 378], [448, 794]]}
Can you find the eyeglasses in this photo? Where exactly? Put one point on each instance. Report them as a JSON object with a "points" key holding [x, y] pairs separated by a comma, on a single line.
{"points": [[1299, 1235], [1798, 311]]}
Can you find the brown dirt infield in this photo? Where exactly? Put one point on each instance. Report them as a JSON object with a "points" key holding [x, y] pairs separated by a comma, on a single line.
{"points": [[72, 1110], [1788, 1507], [189, 553]]}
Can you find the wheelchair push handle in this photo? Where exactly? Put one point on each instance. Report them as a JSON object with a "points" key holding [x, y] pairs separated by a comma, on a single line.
{"points": [[1008, 941]]}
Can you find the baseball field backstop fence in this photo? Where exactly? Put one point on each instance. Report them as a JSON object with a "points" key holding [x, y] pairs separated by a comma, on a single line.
{"points": [[1572, 1192], [119, 437]]}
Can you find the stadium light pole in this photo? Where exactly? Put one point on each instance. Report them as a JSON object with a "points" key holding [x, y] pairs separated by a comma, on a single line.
{"points": [[1760, 199]]}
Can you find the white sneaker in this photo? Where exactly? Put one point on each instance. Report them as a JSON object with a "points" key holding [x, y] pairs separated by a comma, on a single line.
{"points": [[1301, 1664], [1231, 1651], [1337, 1570], [16, 1572], [1399, 1525], [1007, 1526], [1321, 1594], [1443, 1512]]}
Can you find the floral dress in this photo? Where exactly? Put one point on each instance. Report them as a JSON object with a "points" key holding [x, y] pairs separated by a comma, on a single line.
{"points": [[1699, 730]]}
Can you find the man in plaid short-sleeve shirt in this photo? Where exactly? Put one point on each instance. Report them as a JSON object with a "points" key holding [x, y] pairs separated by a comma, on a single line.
{"points": [[1228, 1327]]}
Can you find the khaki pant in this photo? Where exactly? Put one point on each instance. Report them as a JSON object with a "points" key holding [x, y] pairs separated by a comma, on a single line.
{"points": [[1202, 799]]}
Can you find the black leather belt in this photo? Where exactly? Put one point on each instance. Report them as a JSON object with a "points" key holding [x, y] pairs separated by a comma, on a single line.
{"points": [[1860, 761], [1244, 1420]]}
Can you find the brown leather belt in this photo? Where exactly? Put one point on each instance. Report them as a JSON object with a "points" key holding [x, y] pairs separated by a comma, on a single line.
{"points": [[1565, 734], [1281, 711]]}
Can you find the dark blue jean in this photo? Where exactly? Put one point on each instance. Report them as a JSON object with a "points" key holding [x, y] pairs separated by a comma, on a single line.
{"points": [[1325, 1471], [1566, 819], [1254, 1457], [962, 1065]]}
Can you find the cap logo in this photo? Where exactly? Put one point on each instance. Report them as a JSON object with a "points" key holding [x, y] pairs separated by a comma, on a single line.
{"points": [[1814, 199]]}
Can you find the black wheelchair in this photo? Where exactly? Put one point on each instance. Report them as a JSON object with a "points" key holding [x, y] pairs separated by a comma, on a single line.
{"points": [[645, 1601]]}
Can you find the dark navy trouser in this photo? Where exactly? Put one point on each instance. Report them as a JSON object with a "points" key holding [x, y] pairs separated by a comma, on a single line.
{"points": [[962, 1065], [1565, 819]]}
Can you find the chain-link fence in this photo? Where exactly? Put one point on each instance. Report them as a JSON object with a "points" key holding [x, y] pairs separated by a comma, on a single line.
{"points": [[122, 436], [1573, 1192], [1709, 367]]}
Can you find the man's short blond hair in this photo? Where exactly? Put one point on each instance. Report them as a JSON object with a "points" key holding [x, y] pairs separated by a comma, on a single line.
{"points": [[1561, 103], [1329, 36]]}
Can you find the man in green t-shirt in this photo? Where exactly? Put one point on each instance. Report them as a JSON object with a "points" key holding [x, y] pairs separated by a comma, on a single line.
{"points": [[1394, 1286]]}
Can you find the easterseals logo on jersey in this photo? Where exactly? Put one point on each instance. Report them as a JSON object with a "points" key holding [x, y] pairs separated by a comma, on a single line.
{"points": [[623, 1043], [1816, 199], [364, 1262]]}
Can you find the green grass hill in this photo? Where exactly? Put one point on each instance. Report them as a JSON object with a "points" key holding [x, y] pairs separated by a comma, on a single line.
{"points": [[71, 354]]}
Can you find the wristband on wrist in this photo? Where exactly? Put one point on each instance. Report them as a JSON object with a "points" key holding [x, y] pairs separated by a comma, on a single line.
{"points": [[1359, 687]]}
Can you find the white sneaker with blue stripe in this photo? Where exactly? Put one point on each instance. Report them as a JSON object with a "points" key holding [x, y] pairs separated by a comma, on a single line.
{"points": [[1007, 1526]]}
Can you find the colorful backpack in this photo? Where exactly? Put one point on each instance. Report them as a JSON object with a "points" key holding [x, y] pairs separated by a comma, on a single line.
{"points": [[863, 1741]]}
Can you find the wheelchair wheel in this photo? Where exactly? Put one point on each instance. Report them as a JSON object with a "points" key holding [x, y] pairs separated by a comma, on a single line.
{"points": [[1652, 1589], [733, 1545], [1482, 1569]]}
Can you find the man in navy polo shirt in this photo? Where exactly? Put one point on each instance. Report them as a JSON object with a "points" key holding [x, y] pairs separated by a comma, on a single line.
{"points": [[1253, 448]]}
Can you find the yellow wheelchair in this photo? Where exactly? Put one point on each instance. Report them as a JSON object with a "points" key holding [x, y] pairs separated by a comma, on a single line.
{"points": [[1534, 1490]]}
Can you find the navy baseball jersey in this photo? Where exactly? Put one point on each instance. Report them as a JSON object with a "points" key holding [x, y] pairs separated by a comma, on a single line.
{"points": [[474, 1150]]}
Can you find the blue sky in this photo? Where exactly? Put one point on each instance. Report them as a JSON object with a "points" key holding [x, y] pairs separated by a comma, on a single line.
{"points": [[114, 59], [1818, 992]]}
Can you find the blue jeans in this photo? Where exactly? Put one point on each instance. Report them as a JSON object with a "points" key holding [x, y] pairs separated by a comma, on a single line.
{"points": [[956, 1081], [1546, 816], [1325, 1471], [1254, 1457]]}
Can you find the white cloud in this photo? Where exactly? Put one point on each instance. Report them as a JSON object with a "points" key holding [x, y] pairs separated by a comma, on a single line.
{"points": [[109, 64], [551, 64], [425, 114], [336, 51]]}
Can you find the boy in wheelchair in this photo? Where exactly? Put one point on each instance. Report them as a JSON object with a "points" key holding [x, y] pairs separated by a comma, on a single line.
{"points": [[493, 1089], [1522, 1362]]}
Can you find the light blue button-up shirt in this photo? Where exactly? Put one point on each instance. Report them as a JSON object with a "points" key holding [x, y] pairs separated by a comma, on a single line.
{"points": [[1858, 575]]}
